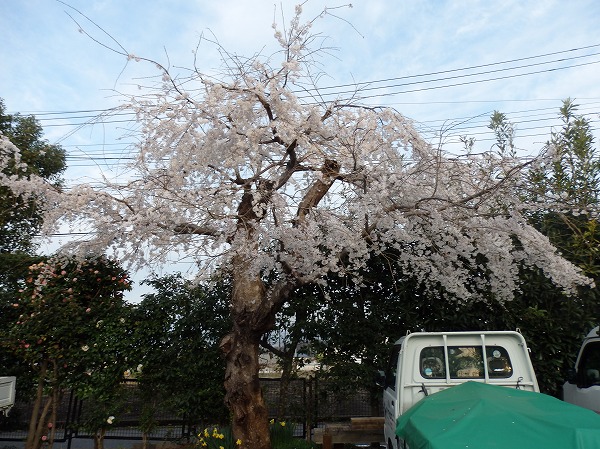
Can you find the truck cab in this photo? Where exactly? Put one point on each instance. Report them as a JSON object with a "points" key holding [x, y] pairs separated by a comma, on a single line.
{"points": [[583, 386], [424, 363], [7, 394]]}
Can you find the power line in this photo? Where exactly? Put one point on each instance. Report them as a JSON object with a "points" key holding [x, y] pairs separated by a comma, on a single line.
{"points": [[418, 103], [364, 89], [459, 69], [466, 83], [582, 107], [465, 126], [80, 124], [365, 84], [107, 116]]}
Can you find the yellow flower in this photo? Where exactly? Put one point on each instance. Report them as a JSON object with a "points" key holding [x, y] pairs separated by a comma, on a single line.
{"points": [[206, 433], [220, 436], [221, 447], [282, 423], [272, 421], [204, 444], [238, 442]]}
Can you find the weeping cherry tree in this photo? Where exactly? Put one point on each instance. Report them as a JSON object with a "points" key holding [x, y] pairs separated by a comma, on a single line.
{"points": [[240, 173]]}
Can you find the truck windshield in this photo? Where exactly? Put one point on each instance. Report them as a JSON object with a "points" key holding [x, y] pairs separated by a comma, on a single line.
{"points": [[465, 362]]}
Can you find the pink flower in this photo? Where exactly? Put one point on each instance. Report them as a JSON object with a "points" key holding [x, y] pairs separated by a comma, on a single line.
{"points": [[49, 425], [44, 438], [88, 310]]}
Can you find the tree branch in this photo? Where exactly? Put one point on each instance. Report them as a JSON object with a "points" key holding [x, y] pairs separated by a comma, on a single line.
{"points": [[317, 191], [189, 228]]}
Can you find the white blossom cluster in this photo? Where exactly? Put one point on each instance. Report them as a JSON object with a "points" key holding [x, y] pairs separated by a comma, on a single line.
{"points": [[242, 169]]}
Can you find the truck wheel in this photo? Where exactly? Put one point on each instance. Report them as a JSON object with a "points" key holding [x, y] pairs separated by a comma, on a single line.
{"points": [[391, 446]]}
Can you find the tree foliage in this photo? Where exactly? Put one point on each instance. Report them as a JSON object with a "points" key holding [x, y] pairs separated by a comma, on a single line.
{"points": [[21, 217], [178, 329], [352, 328], [569, 185], [69, 331]]}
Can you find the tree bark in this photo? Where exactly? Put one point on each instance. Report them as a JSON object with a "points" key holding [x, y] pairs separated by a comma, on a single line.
{"points": [[56, 397], [253, 312], [39, 413], [284, 387], [31, 434], [99, 438], [243, 393]]}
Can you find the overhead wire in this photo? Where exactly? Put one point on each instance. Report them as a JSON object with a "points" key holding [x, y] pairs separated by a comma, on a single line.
{"points": [[458, 69], [428, 127], [368, 85]]}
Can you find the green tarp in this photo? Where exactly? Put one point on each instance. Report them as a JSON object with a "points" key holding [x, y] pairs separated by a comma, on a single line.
{"points": [[475, 415]]}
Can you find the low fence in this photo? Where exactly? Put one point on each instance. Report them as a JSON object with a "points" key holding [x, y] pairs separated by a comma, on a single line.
{"points": [[309, 403]]}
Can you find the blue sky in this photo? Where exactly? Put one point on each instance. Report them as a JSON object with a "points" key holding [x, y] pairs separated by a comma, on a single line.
{"points": [[51, 69]]}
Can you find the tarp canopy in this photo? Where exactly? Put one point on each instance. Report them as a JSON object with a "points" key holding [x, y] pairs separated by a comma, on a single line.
{"points": [[474, 415]]}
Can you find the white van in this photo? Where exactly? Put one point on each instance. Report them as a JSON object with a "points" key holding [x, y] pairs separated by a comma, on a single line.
{"points": [[583, 386], [423, 363]]}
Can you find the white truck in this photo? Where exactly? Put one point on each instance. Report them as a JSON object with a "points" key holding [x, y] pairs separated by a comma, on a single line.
{"points": [[7, 394], [424, 363], [583, 384]]}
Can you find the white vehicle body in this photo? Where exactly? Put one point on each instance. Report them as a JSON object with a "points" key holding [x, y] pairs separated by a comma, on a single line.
{"points": [[423, 363], [583, 386], [7, 393]]}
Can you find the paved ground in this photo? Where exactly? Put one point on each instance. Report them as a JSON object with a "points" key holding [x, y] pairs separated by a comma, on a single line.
{"points": [[77, 443]]}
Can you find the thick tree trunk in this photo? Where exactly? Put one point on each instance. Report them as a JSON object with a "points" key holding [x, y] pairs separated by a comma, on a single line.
{"points": [[253, 312], [243, 393], [252, 316]]}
